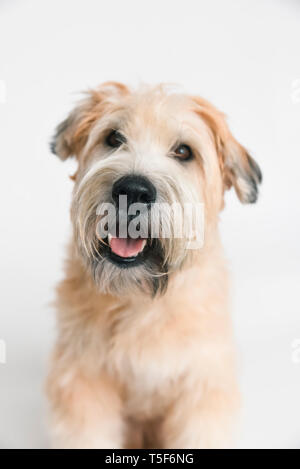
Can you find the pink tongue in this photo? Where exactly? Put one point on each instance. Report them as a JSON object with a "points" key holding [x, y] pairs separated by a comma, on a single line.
{"points": [[126, 247]]}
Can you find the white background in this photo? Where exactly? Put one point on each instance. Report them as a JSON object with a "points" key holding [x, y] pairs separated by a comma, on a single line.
{"points": [[244, 56]]}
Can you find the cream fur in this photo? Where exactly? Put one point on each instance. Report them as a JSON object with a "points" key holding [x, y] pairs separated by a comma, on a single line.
{"points": [[129, 369]]}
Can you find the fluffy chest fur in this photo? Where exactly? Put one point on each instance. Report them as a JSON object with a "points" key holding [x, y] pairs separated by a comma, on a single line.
{"points": [[149, 346]]}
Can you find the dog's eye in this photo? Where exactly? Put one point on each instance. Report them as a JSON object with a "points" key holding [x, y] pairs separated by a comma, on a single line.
{"points": [[183, 152], [115, 139]]}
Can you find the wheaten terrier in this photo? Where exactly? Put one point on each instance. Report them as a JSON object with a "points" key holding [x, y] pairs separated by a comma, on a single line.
{"points": [[145, 356]]}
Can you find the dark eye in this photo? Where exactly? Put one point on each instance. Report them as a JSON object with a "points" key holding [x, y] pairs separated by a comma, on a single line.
{"points": [[115, 139], [183, 152]]}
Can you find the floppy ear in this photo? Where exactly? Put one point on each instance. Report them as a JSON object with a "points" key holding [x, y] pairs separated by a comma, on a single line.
{"points": [[71, 135], [238, 168], [63, 143]]}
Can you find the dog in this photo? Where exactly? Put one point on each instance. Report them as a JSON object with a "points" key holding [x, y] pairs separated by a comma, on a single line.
{"points": [[145, 354]]}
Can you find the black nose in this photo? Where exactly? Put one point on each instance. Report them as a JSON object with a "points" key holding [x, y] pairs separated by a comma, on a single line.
{"points": [[138, 189]]}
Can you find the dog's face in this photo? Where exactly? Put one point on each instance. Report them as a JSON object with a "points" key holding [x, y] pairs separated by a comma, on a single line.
{"points": [[142, 156]]}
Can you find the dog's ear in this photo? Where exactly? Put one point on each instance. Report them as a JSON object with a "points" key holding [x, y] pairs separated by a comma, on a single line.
{"points": [[238, 168], [71, 135], [62, 143]]}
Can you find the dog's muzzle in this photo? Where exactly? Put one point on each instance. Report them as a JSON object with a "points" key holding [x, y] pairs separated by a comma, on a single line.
{"points": [[125, 250]]}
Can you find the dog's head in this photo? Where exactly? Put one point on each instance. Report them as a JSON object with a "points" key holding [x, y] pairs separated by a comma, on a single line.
{"points": [[146, 160]]}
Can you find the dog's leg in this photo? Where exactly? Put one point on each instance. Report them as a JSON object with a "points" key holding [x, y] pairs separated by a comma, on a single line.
{"points": [[84, 412], [206, 423]]}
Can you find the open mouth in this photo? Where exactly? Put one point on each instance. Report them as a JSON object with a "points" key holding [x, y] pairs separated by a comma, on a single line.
{"points": [[125, 251], [126, 247]]}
